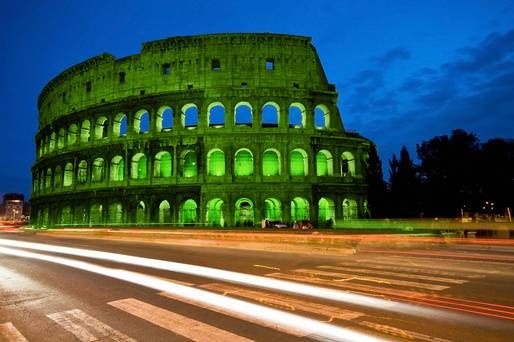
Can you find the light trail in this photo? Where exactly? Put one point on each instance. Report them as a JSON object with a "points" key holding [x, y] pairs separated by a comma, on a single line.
{"points": [[309, 327], [493, 257]]}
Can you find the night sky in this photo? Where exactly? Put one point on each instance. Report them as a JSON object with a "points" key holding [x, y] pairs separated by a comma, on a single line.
{"points": [[405, 70]]}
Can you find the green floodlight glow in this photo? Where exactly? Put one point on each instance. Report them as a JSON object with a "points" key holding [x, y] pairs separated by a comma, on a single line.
{"points": [[270, 163], [216, 163], [164, 212], [244, 212], [326, 210], [243, 163], [189, 167], [215, 213], [273, 209], [188, 212], [163, 165], [140, 212], [298, 161], [321, 164], [115, 212], [299, 209]]}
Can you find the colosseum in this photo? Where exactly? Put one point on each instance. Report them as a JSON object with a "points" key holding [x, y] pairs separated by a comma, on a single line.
{"points": [[222, 130]]}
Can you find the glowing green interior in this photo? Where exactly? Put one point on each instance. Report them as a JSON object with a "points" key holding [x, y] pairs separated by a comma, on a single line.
{"points": [[297, 164], [190, 168], [164, 212], [243, 163], [215, 212], [272, 209], [216, 164], [270, 164], [321, 165], [299, 209], [188, 211]]}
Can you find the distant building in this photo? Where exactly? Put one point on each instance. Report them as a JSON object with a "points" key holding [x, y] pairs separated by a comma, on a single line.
{"points": [[13, 206]]}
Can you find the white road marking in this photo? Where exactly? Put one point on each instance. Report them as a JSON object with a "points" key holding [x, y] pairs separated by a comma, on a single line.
{"points": [[373, 279], [394, 274], [445, 264], [268, 267], [287, 302], [402, 333], [9, 333], [178, 324], [87, 328]]}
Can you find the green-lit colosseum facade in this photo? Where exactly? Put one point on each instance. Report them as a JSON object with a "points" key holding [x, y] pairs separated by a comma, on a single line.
{"points": [[216, 130]]}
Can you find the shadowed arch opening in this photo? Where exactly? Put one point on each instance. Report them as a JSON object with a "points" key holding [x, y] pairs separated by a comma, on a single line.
{"points": [[115, 213], [53, 140], [95, 214], [270, 114], [141, 213], [188, 212], [164, 215], [72, 134], [138, 167], [85, 131], [214, 215], [243, 114], [97, 174], [82, 172], [68, 175], [297, 117], [49, 176], [349, 209], [216, 115], [101, 128], [216, 162], [188, 164], [299, 209], [117, 172], [58, 177], [244, 213], [60, 139], [162, 165], [272, 209], [326, 212], [347, 164]]}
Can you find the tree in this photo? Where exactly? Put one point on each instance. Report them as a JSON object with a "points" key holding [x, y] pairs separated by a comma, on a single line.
{"points": [[404, 186], [377, 188]]}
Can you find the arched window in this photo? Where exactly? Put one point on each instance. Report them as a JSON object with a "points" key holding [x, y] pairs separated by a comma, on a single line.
{"points": [[68, 174], [326, 212], [41, 147], [60, 139], [52, 142], [214, 214], [119, 127], [101, 128], [188, 163], [189, 116], [162, 165], [270, 114], [324, 163], [138, 167], [297, 115], [82, 172], [272, 209], [216, 162], [188, 212], [299, 209], [84, 131], [244, 213], [57, 177], [141, 121], [47, 144], [216, 115], [243, 163], [243, 114], [271, 163], [98, 170], [164, 119], [164, 212], [65, 217], [48, 182], [347, 164], [115, 212], [72, 134], [299, 163], [117, 169], [141, 213], [349, 209], [95, 214], [321, 117]]}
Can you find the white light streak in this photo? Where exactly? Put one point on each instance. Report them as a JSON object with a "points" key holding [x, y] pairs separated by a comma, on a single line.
{"points": [[309, 327]]}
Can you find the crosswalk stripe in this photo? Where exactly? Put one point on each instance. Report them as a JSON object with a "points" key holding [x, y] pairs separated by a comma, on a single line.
{"points": [[402, 333], [87, 328], [388, 281], [343, 284], [8, 332], [286, 302], [178, 324], [395, 266], [394, 274]]}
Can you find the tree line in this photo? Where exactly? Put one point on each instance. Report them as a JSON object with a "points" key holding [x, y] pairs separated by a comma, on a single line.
{"points": [[453, 175]]}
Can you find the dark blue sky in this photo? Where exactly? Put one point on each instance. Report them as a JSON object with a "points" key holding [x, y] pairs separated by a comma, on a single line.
{"points": [[405, 70]]}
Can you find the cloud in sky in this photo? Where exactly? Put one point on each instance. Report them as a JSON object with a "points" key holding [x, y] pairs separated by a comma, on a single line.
{"points": [[473, 91]]}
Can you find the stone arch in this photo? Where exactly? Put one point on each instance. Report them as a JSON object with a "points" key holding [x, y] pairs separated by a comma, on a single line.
{"points": [[142, 121], [188, 164], [350, 211], [162, 165], [299, 162], [326, 212], [347, 164], [271, 162], [189, 116], [297, 116], [216, 115], [188, 212], [117, 172], [66, 215], [97, 174], [300, 209], [216, 162], [214, 214], [48, 179], [164, 119], [138, 167], [95, 214], [119, 127], [82, 172], [72, 134], [244, 215], [68, 175], [324, 163], [243, 162], [272, 209], [164, 214], [101, 128], [270, 114], [115, 213], [60, 139], [243, 114], [58, 177], [140, 213], [52, 142], [321, 117], [85, 128]]}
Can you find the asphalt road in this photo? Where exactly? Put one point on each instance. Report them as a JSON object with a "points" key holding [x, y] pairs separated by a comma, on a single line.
{"points": [[451, 292]]}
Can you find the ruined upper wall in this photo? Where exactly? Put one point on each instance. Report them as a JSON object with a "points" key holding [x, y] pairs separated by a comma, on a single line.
{"points": [[242, 62]]}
